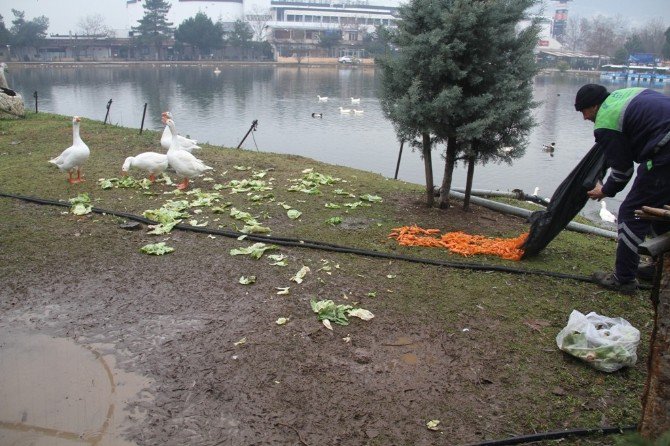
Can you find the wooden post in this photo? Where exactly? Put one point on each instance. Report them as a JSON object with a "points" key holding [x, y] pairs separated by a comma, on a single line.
{"points": [[35, 96], [656, 398], [655, 418]]}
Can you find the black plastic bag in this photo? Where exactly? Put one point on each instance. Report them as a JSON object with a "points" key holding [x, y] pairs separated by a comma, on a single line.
{"points": [[569, 198]]}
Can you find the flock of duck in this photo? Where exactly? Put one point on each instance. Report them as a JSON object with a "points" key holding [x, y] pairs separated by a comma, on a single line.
{"points": [[344, 111], [178, 156]]}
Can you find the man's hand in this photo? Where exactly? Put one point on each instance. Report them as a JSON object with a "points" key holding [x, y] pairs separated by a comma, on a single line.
{"points": [[597, 192]]}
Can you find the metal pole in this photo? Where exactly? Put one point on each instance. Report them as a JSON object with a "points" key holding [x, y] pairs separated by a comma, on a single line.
{"points": [[109, 104], [254, 124], [35, 96], [144, 113], [397, 167]]}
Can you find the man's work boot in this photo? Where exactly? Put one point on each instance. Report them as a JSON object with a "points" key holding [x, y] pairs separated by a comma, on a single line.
{"points": [[646, 272], [610, 281]]}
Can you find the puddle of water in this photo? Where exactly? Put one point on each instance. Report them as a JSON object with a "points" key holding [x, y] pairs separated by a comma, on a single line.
{"points": [[55, 392]]}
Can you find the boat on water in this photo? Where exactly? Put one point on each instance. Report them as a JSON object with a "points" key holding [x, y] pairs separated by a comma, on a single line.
{"points": [[636, 74]]}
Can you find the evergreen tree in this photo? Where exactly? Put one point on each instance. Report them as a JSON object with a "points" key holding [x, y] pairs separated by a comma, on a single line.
{"points": [[240, 36], [454, 79], [5, 36], [153, 27], [201, 33], [666, 45], [28, 33]]}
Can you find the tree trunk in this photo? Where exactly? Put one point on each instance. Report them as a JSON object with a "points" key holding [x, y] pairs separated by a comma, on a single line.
{"points": [[656, 397], [428, 167], [449, 164], [468, 182]]}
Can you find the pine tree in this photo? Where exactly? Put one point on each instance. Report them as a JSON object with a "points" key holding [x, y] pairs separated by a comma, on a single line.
{"points": [[454, 80], [201, 33], [153, 27]]}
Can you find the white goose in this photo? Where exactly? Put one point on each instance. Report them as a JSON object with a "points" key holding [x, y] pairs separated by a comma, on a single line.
{"points": [[358, 112], [182, 161], [605, 214], [355, 101], [166, 137], [345, 111], [152, 162], [73, 158], [217, 71], [322, 98]]}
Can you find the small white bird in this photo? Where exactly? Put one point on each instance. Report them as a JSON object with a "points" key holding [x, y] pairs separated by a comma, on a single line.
{"points": [[355, 100], [317, 115], [322, 98], [73, 158], [182, 161], [605, 214], [152, 162], [217, 71], [358, 112], [536, 191], [345, 110], [549, 147], [166, 138]]}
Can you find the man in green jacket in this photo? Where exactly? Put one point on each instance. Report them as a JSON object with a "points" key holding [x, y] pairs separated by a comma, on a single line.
{"points": [[632, 125]]}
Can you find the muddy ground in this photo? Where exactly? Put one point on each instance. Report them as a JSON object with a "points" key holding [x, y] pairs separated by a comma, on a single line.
{"points": [[176, 319]]}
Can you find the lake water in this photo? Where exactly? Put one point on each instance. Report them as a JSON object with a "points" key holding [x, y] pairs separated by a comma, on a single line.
{"points": [[219, 109]]}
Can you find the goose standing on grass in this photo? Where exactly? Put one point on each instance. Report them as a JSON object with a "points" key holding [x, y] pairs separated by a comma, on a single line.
{"points": [[322, 98], [355, 101], [605, 214], [183, 143], [345, 111], [73, 158], [152, 162], [182, 161]]}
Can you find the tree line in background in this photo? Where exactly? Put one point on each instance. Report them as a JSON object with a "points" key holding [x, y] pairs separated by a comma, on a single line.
{"points": [[613, 37]]}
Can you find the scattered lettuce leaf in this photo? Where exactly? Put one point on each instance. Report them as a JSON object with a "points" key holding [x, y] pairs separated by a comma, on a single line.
{"points": [[293, 214], [300, 275], [281, 321], [433, 425], [361, 314], [283, 291], [371, 198], [255, 251], [334, 221], [157, 249], [247, 280]]}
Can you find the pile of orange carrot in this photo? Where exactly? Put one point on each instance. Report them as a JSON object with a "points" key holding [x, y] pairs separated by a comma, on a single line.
{"points": [[460, 242]]}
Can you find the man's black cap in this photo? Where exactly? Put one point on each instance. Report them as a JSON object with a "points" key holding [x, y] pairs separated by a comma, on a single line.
{"points": [[590, 95]]}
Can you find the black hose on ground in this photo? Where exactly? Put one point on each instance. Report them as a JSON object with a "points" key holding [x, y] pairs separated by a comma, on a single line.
{"points": [[556, 435], [284, 241]]}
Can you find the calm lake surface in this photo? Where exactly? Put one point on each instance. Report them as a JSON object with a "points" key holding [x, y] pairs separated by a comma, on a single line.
{"points": [[219, 109]]}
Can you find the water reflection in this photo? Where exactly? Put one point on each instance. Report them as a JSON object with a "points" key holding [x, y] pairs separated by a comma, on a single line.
{"points": [[219, 108]]}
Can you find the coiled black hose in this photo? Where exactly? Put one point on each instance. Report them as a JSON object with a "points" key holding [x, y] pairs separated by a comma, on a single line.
{"points": [[312, 244]]}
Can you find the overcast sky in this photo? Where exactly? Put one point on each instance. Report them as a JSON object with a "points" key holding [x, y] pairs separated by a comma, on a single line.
{"points": [[65, 14]]}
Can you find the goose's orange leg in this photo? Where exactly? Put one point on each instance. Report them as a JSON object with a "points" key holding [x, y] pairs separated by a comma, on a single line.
{"points": [[80, 178], [183, 185], [69, 178], [152, 177]]}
